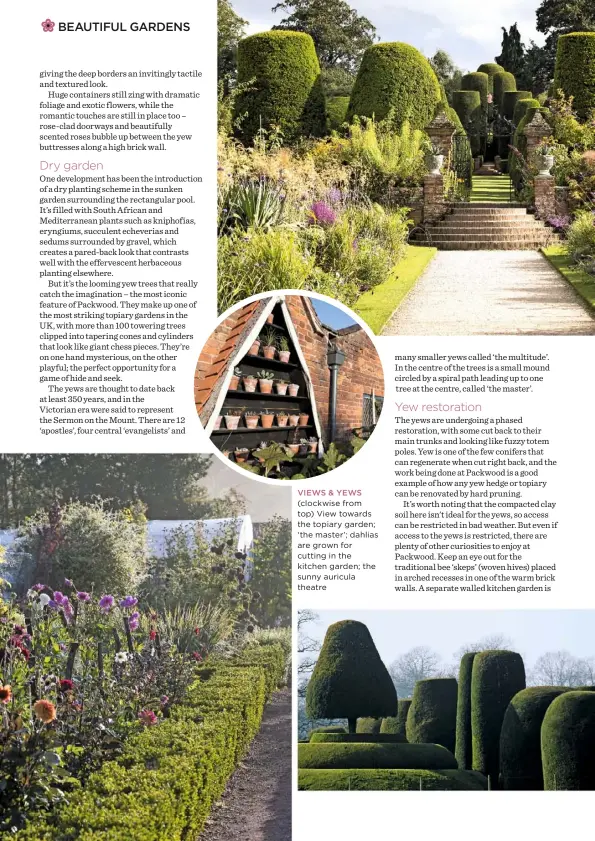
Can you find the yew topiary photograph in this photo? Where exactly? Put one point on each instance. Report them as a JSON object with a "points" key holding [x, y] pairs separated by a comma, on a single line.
{"points": [[145, 644], [365, 149], [446, 700]]}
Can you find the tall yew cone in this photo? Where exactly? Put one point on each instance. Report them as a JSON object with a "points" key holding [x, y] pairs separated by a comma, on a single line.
{"points": [[463, 749]]}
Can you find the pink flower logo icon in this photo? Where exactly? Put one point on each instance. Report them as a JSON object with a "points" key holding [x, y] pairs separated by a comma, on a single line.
{"points": [[48, 25]]}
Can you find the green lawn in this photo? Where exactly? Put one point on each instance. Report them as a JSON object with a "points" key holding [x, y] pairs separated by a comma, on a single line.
{"points": [[581, 281], [494, 188], [377, 305]]}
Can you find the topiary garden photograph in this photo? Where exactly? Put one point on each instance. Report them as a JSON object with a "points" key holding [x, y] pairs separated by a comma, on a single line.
{"points": [[415, 701], [362, 166]]}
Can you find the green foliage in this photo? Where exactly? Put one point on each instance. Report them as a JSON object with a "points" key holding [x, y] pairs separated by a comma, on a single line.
{"points": [[575, 70], [496, 677], [395, 80], [383, 157], [502, 82], [568, 743], [580, 238], [271, 573], [368, 725], [369, 779], [490, 69], [433, 711], [522, 106], [250, 204], [479, 82], [329, 728], [287, 89], [567, 129], [349, 680], [336, 82], [509, 101], [397, 725], [467, 105], [463, 748], [336, 111], [520, 738], [370, 755], [447, 73], [230, 28], [512, 57], [390, 738]]}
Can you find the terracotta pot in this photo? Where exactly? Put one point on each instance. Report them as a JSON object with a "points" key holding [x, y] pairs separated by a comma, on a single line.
{"points": [[266, 386], [281, 388], [304, 420], [294, 420], [218, 422], [282, 420], [284, 355], [270, 318], [240, 457], [313, 448], [251, 421], [269, 351], [234, 383], [295, 448], [232, 421], [267, 420], [250, 383], [293, 389], [254, 348]]}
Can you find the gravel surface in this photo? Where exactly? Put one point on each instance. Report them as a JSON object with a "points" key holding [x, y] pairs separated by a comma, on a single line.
{"points": [[483, 293], [256, 805]]}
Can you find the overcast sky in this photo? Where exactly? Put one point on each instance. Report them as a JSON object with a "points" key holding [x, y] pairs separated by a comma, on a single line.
{"points": [[263, 501], [467, 29]]}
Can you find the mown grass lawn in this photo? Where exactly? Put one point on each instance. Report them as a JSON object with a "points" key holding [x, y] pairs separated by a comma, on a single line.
{"points": [[376, 306], [581, 281], [492, 188]]}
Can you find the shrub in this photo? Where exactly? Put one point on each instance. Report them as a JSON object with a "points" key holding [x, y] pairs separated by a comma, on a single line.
{"points": [[369, 779], [368, 725], [391, 738], [272, 658], [349, 679], [467, 104], [497, 676], [395, 80], [336, 111], [369, 755], [575, 70], [287, 88], [433, 712], [521, 107], [510, 99], [330, 728], [502, 82], [397, 724], [520, 738], [479, 82], [463, 749], [568, 743], [491, 69], [580, 237]]}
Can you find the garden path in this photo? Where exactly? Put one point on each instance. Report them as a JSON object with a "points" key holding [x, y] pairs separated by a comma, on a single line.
{"points": [[479, 293], [257, 802]]}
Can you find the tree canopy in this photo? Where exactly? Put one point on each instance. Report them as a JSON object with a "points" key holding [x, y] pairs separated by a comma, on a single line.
{"points": [[230, 29], [512, 57]]}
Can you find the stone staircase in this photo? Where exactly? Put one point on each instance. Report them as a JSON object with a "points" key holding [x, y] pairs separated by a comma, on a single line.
{"points": [[487, 226]]}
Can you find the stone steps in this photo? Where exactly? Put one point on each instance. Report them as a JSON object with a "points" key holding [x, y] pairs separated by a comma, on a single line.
{"points": [[479, 245]]}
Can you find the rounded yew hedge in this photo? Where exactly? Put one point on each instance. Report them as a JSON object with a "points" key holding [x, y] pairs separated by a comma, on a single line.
{"points": [[496, 678], [433, 712], [521, 108], [370, 779], [575, 70], [520, 738], [286, 85], [397, 724], [467, 106], [568, 743], [370, 755], [395, 78], [479, 82], [463, 748], [368, 725], [502, 82], [509, 101], [490, 69], [336, 738]]}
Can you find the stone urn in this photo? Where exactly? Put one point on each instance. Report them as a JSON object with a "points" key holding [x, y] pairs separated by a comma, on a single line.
{"points": [[545, 164], [434, 163]]}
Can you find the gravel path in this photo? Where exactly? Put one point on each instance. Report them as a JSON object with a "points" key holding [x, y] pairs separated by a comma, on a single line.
{"points": [[256, 805], [479, 293]]}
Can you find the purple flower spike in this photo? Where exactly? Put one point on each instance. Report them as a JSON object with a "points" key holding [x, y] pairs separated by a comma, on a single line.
{"points": [[321, 214], [127, 602], [106, 603], [83, 597]]}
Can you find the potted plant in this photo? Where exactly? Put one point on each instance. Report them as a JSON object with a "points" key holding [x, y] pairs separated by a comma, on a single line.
{"points": [[254, 347], [434, 159], [218, 420], [241, 454], [284, 352], [313, 444], [294, 448], [251, 418], [235, 379], [250, 382], [293, 419], [270, 318], [267, 416], [304, 418], [269, 343], [282, 418], [281, 386], [265, 381], [293, 389], [545, 159], [232, 417], [262, 446]]}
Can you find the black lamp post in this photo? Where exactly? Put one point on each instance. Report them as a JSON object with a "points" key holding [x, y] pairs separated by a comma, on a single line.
{"points": [[334, 358]]}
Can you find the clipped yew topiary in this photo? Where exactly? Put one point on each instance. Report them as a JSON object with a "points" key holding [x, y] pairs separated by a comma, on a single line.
{"points": [[521, 108], [463, 748], [397, 724], [568, 743], [496, 678], [433, 712], [391, 779], [502, 82], [479, 82], [467, 105], [371, 755], [490, 69], [520, 738], [349, 680], [336, 111], [391, 738], [575, 70], [286, 85], [395, 79], [330, 728], [368, 725], [509, 101]]}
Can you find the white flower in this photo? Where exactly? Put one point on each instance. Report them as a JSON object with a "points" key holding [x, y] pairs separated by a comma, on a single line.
{"points": [[121, 657], [44, 599]]}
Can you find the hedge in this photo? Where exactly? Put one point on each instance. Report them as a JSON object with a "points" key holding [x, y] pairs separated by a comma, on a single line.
{"points": [[391, 738], [568, 743], [349, 679], [496, 678], [168, 777], [370, 755], [286, 86], [432, 715], [502, 82], [272, 658], [520, 738], [467, 106], [395, 78], [491, 69], [521, 108], [479, 82], [368, 725], [369, 779], [575, 70], [336, 111], [397, 724], [463, 748], [510, 99], [331, 728]]}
